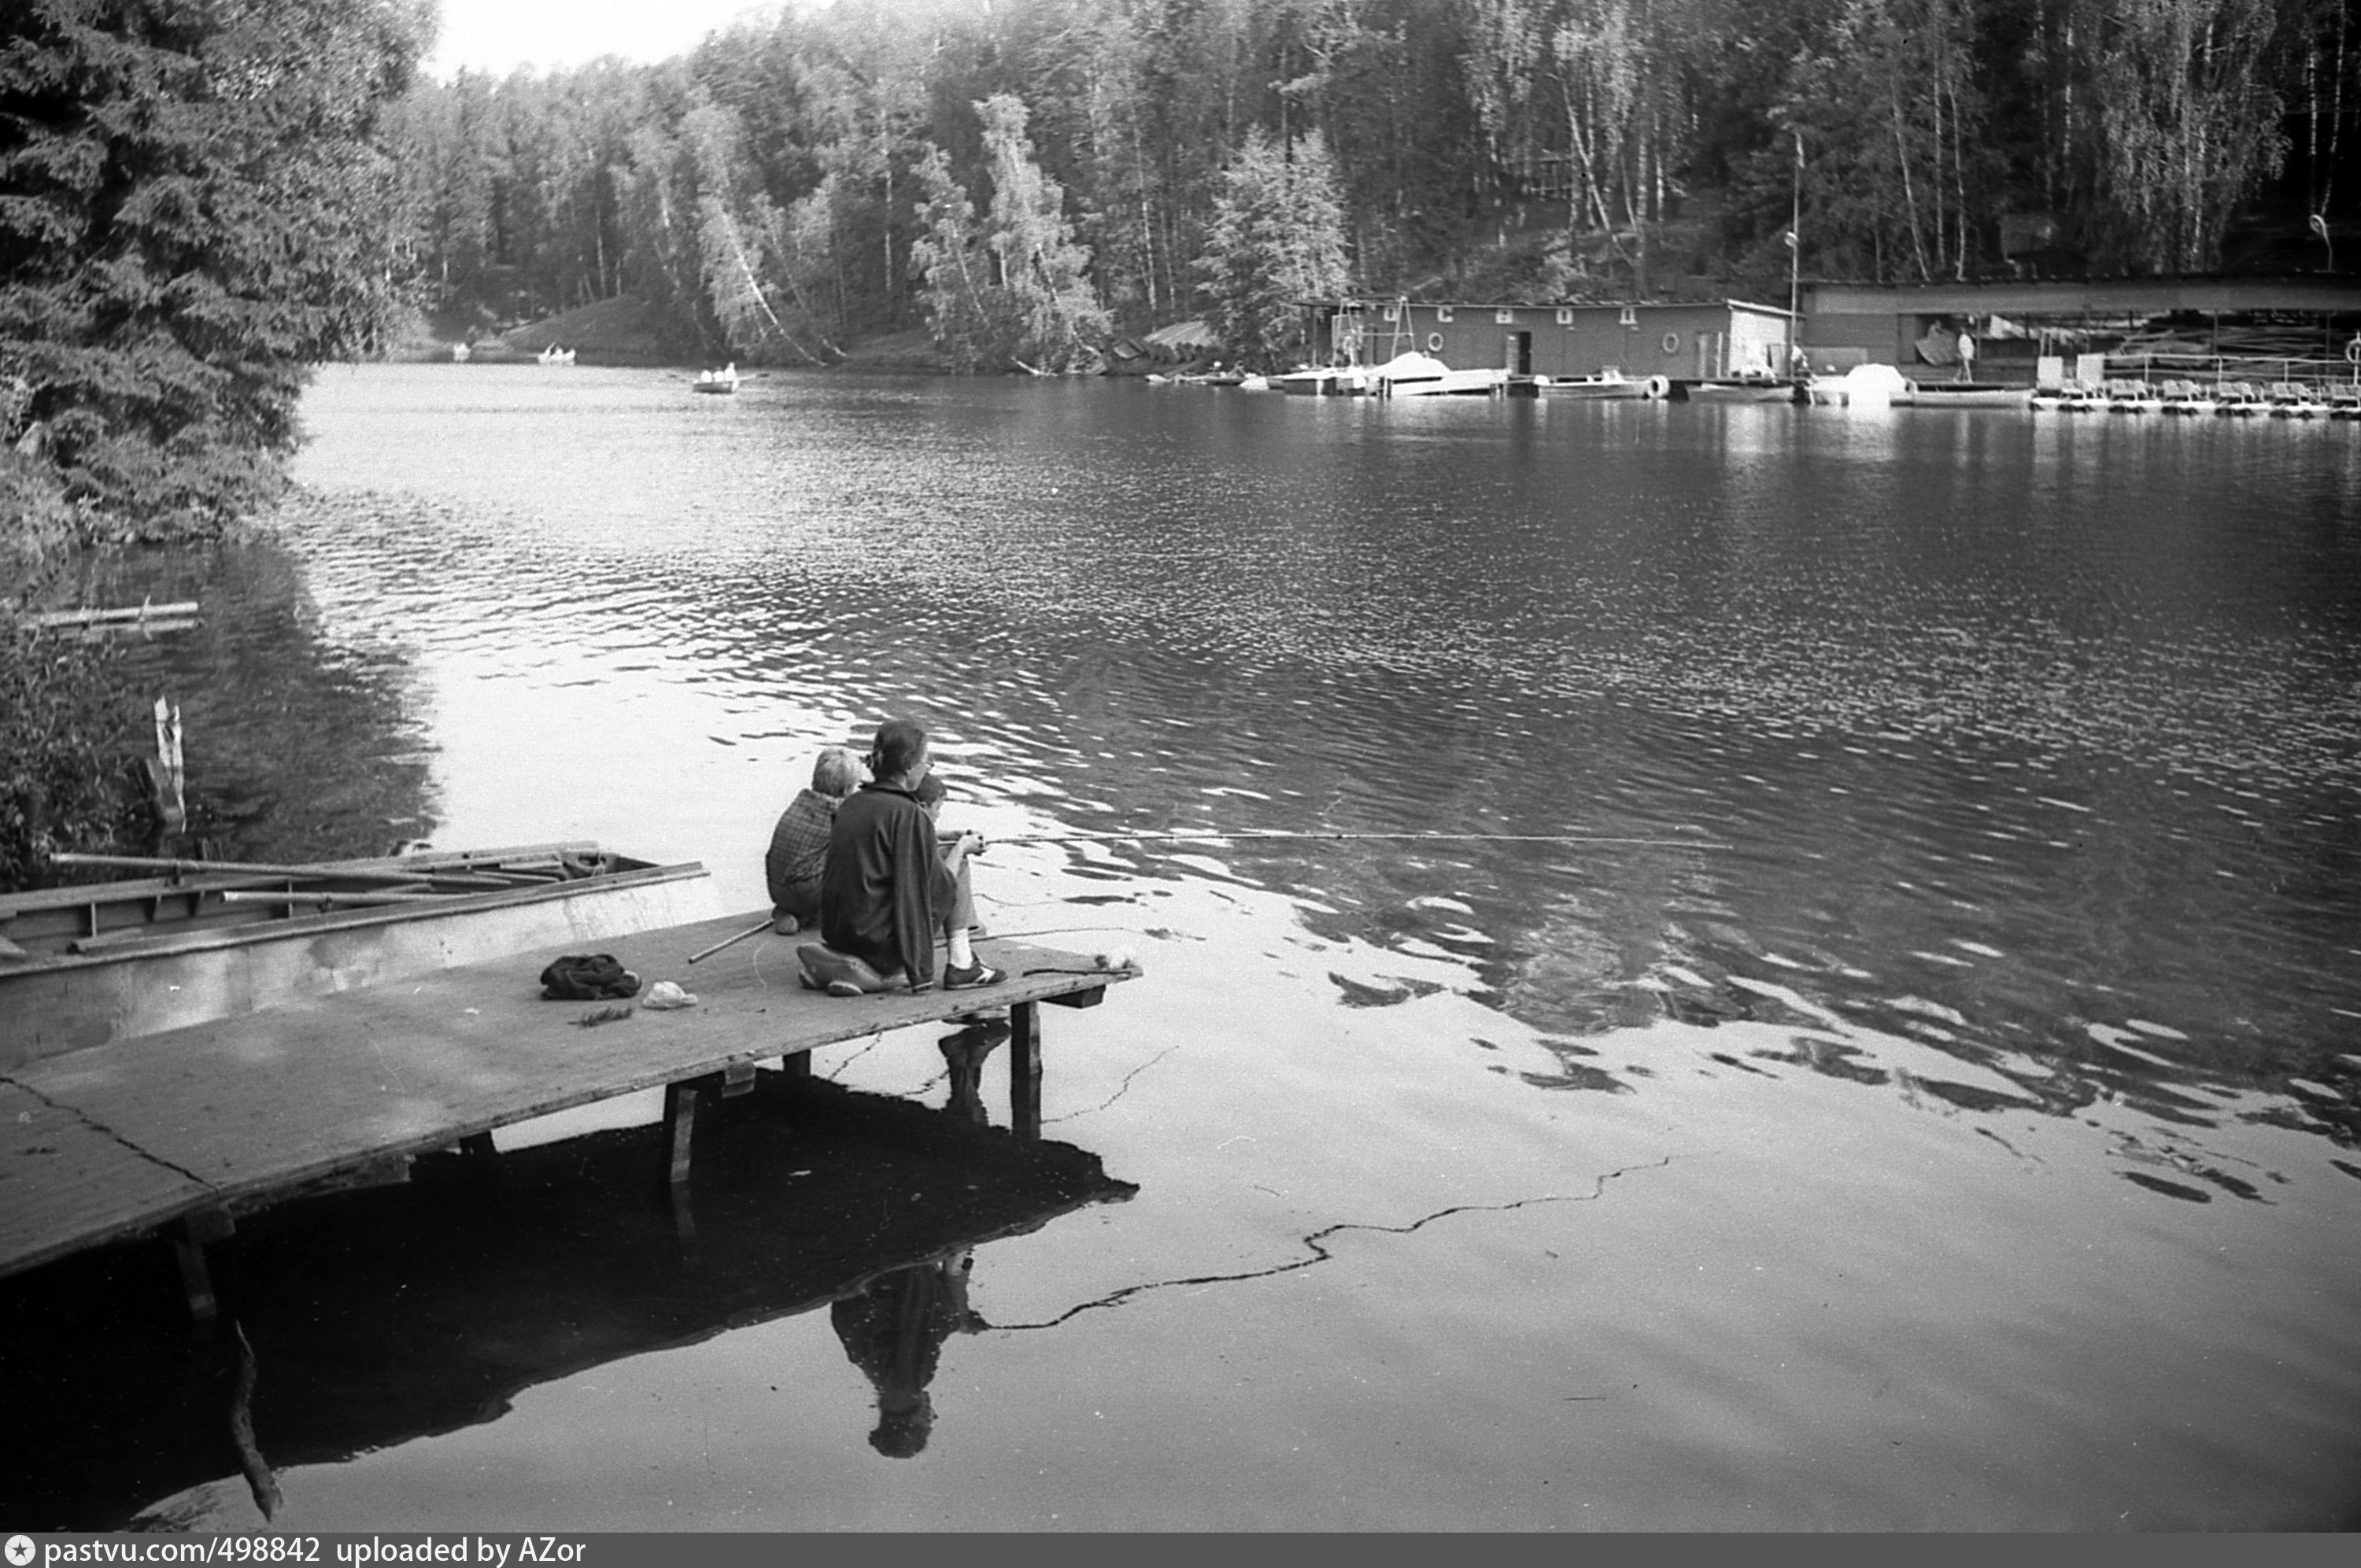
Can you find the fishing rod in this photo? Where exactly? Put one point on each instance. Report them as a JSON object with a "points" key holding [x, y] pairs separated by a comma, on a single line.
{"points": [[1207, 835]]}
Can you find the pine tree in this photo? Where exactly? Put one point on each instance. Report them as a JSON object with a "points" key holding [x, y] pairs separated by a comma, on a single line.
{"points": [[193, 209], [1277, 242]]}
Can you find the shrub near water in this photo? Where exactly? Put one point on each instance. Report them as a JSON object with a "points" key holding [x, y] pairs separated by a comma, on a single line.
{"points": [[66, 714]]}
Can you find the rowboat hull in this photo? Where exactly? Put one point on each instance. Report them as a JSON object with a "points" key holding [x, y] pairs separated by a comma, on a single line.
{"points": [[1938, 395], [1743, 392], [1601, 388], [160, 954]]}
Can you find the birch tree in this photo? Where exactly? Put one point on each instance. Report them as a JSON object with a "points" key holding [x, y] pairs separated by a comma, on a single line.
{"points": [[2190, 125]]}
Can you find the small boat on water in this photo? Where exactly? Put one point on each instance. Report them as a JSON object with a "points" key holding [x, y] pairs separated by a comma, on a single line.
{"points": [[1755, 387], [2344, 402], [1970, 395], [2294, 399], [1317, 381], [2068, 400], [717, 383], [1422, 376], [553, 354], [2133, 397], [2239, 399], [1609, 385], [1871, 386], [2187, 397], [83, 965]]}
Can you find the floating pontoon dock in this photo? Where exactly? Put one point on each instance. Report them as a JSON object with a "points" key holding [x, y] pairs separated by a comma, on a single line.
{"points": [[185, 1128]]}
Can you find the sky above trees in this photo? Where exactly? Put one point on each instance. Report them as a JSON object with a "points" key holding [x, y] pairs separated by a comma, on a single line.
{"points": [[501, 35]]}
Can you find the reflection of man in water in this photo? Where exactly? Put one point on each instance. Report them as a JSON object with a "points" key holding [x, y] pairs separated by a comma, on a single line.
{"points": [[893, 1331]]}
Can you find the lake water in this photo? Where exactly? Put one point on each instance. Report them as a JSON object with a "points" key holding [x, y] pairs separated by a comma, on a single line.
{"points": [[1930, 1102]]}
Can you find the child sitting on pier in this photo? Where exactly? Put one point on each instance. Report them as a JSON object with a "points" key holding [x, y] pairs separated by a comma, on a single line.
{"points": [[798, 852]]}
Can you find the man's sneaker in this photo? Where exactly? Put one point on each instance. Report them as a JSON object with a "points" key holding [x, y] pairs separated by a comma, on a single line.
{"points": [[976, 975]]}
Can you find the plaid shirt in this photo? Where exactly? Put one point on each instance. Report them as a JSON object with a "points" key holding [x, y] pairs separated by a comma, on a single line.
{"points": [[799, 843]]}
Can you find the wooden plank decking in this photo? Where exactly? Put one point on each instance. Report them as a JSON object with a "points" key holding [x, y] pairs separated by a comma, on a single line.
{"points": [[194, 1123]]}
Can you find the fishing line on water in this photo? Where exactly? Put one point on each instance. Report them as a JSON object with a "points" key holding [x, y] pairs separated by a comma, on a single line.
{"points": [[1216, 836]]}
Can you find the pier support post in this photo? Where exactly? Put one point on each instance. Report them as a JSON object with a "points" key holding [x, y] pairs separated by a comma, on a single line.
{"points": [[189, 1238], [483, 1158], [1025, 1069], [679, 1127]]}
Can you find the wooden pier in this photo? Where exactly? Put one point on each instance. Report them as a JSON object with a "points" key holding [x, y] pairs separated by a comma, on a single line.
{"points": [[180, 1131]]}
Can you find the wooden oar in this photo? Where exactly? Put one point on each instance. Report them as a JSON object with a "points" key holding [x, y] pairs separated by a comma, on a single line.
{"points": [[382, 895], [456, 880], [231, 868]]}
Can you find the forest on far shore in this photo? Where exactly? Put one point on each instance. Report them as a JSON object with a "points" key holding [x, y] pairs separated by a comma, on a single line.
{"points": [[1020, 177]]}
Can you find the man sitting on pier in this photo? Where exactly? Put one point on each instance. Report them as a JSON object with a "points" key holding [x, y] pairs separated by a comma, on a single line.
{"points": [[798, 852], [891, 884]]}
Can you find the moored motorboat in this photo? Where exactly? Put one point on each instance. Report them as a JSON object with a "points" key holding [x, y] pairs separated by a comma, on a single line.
{"points": [[1432, 378], [1312, 381], [553, 355], [2238, 399], [722, 382], [1609, 385], [2187, 398], [82, 965]]}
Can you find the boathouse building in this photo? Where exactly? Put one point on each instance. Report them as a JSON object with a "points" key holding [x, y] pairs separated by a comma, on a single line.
{"points": [[1680, 341], [2310, 323]]}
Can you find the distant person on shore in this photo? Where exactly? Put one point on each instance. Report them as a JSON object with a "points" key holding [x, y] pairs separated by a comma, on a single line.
{"points": [[798, 852], [891, 884]]}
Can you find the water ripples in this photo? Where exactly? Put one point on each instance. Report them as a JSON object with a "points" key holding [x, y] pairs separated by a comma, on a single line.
{"points": [[2027, 742]]}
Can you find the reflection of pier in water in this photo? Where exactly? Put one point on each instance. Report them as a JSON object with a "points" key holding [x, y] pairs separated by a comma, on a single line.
{"points": [[379, 1316]]}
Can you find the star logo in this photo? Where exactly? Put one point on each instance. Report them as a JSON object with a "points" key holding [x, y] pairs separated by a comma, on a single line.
{"points": [[20, 1551]]}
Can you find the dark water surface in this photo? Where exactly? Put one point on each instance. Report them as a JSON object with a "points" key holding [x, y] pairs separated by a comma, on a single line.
{"points": [[1949, 1124]]}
